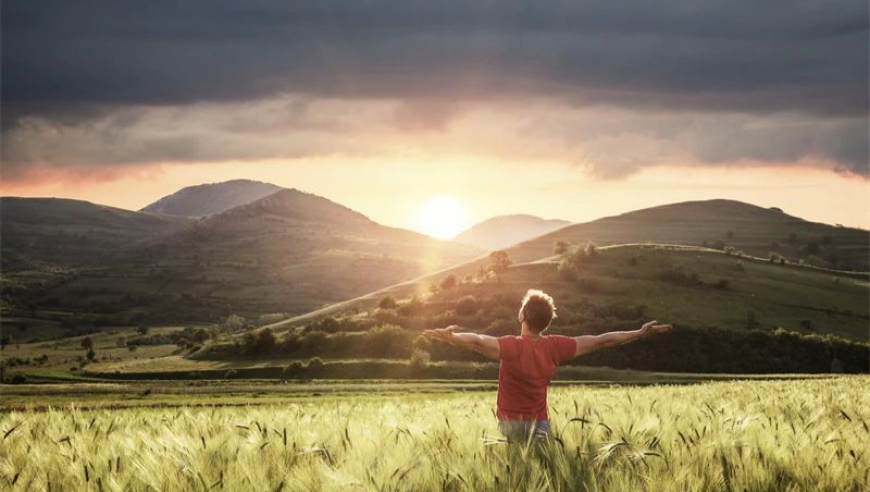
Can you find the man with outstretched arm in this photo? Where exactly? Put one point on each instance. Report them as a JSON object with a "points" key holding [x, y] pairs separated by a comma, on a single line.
{"points": [[528, 361]]}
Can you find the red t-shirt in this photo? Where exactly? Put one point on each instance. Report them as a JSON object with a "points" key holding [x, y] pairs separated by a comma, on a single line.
{"points": [[527, 364]]}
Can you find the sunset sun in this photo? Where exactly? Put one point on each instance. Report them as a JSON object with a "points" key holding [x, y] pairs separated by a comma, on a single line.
{"points": [[443, 217]]}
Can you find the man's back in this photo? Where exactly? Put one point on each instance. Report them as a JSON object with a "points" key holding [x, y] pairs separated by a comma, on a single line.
{"points": [[527, 364]]}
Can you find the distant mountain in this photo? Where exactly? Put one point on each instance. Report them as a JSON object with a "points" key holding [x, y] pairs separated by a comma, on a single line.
{"points": [[40, 232], [506, 230], [293, 251], [288, 252], [213, 198]]}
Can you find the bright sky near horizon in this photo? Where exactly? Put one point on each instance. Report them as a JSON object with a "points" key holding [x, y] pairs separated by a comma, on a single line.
{"points": [[486, 189], [570, 110]]}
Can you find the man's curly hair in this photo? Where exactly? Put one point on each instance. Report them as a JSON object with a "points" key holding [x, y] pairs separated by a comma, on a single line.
{"points": [[538, 310]]}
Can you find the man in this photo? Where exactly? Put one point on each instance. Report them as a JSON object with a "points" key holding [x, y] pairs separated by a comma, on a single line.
{"points": [[529, 360]]}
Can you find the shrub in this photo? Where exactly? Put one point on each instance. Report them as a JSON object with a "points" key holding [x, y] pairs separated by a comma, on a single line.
{"points": [[295, 368], [86, 343], [501, 327], [388, 302], [499, 262], [751, 319], [234, 322], [315, 364], [419, 360], [411, 308], [467, 306], [448, 282], [561, 247], [328, 324]]}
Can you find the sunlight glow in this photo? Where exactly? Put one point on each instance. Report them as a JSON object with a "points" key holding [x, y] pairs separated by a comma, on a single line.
{"points": [[443, 217]]}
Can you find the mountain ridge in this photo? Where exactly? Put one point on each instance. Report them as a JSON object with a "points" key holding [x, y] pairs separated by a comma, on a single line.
{"points": [[211, 198], [504, 230]]}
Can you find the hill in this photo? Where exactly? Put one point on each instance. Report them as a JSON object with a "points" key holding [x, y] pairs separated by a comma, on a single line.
{"points": [[289, 252], [506, 230], [212, 198], [617, 287], [57, 232], [717, 224]]}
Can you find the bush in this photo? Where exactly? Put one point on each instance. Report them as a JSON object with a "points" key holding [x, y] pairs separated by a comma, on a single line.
{"points": [[501, 327], [18, 379], [448, 282], [751, 319], [467, 306], [295, 368], [234, 322], [388, 302], [315, 364], [561, 247], [419, 360], [499, 262]]}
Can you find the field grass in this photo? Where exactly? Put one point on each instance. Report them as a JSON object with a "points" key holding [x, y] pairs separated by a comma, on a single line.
{"points": [[743, 436]]}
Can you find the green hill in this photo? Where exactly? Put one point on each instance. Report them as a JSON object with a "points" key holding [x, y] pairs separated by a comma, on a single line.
{"points": [[620, 286], [717, 224]]}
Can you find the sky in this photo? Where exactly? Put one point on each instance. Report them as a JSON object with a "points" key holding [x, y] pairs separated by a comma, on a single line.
{"points": [[563, 109]]}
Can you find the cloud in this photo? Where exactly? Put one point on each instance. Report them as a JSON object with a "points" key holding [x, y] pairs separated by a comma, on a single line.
{"points": [[104, 83]]}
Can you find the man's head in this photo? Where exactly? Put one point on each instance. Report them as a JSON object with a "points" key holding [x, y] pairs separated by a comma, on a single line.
{"points": [[537, 311]]}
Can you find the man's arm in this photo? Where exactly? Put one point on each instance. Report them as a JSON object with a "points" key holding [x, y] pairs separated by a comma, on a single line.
{"points": [[587, 344], [483, 344]]}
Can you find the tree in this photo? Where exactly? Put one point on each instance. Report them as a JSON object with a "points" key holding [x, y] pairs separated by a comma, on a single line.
{"points": [[751, 319], [87, 343], [234, 322], [266, 342], [448, 282], [561, 247], [91, 355], [419, 360], [388, 302], [499, 262], [467, 306]]}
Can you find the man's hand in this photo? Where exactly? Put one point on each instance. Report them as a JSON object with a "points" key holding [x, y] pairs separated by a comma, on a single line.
{"points": [[587, 344], [443, 334], [653, 328]]}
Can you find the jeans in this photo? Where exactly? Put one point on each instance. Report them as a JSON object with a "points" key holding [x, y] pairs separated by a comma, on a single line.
{"points": [[520, 430]]}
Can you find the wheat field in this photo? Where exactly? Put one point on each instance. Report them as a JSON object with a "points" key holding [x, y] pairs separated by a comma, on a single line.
{"points": [[801, 435]]}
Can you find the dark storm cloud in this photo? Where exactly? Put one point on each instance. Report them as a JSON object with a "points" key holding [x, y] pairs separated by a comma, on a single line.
{"points": [[70, 62], [725, 55]]}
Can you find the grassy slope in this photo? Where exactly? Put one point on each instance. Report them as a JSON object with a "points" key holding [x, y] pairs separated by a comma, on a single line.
{"points": [[40, 232], [691, 223], [779, 295]]}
